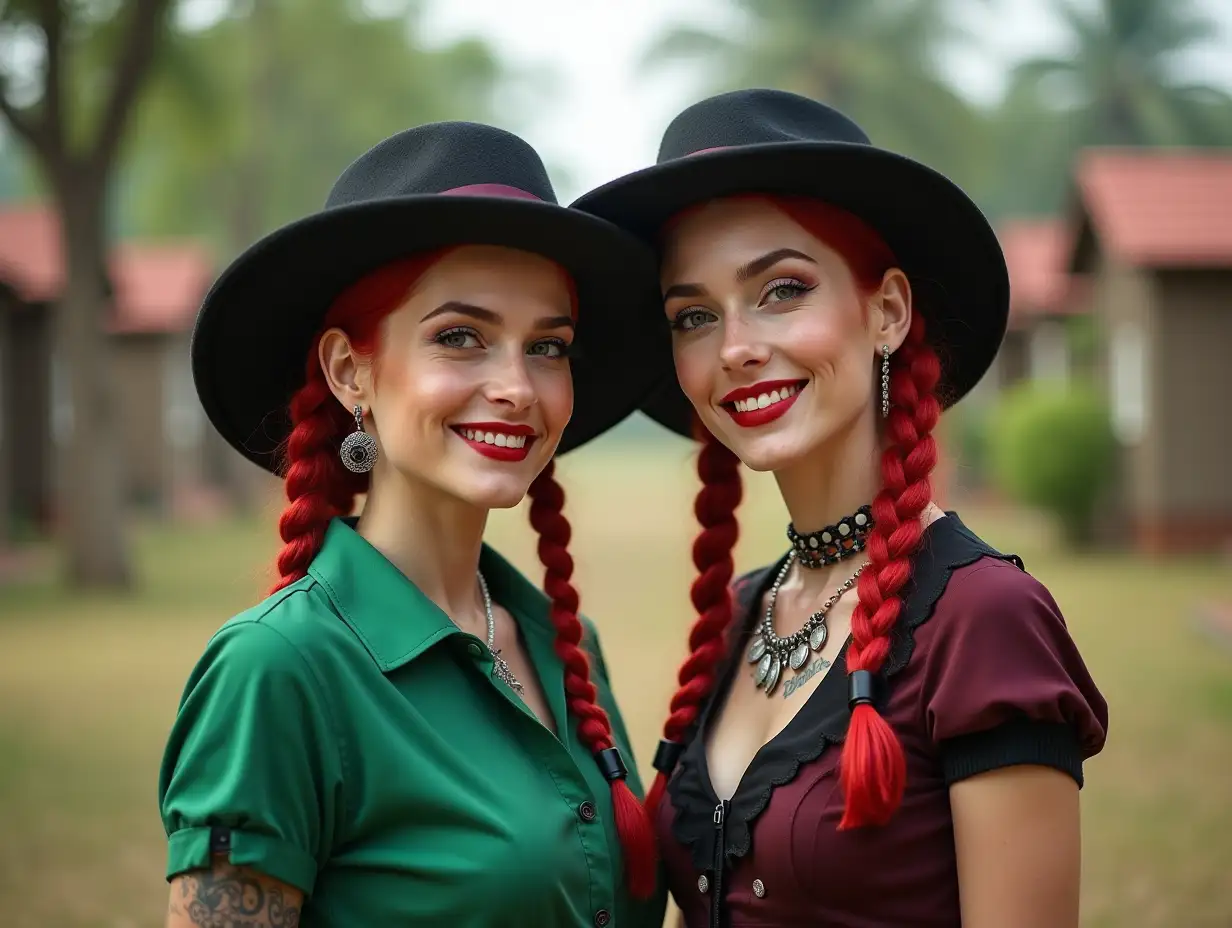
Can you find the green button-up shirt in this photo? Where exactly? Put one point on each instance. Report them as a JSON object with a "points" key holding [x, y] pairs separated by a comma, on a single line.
{"points": [[347, 738]]}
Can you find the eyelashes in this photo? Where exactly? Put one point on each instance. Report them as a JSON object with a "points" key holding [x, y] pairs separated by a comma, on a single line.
{"points": [[464, 338], [786, 288]]}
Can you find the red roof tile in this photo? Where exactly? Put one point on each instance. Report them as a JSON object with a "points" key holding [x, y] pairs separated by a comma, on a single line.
{"points": [[1035, 253], [158, 285], [1160, 207], [30, 252]]}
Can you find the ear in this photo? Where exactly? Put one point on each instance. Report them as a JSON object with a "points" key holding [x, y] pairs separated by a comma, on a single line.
{"points": [[348, 374], [890, 316]]}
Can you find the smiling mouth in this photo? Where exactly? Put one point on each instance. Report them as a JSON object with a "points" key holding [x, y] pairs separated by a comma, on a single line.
{"points": [[497, 441], [760, 404]]}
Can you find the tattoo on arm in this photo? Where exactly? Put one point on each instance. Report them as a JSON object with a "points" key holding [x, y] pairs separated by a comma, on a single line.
{"points": [[232, 897]]}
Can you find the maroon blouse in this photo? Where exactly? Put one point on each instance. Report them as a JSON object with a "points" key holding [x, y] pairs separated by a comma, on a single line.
{"points": [[983, 674]]}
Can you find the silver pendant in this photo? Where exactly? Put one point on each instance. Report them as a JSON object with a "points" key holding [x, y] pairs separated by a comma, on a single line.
{"points": [[502, 671], [772, 678], [756, 650], [799, 655], [763, 668], [817, 638]]}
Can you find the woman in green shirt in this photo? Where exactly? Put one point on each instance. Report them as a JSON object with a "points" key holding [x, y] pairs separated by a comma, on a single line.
{"points": [[407, 731]]}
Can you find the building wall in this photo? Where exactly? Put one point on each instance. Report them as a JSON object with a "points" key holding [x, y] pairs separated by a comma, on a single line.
{"points": [[25, 412], [1127, 366], [140, 388], [1193, 325]]}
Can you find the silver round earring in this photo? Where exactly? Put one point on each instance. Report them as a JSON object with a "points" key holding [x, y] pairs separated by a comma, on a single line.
{"points": [[358, 450], [885, 381]]}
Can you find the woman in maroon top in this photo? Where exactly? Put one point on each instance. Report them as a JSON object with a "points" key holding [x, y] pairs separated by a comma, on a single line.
{"points": [[827, 300]]}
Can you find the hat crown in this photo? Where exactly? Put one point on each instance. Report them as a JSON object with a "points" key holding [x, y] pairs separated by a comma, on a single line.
{"points": [[755, 117], [440, 157]]}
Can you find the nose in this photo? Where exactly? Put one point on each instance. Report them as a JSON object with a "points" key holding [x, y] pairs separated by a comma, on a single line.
{"points": [[741, 348], [510, 386]]}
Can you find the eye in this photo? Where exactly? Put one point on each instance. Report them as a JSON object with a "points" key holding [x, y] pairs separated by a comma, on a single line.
{"points": [[785, 288], [687, 320], [458, 337], [551, 348]]}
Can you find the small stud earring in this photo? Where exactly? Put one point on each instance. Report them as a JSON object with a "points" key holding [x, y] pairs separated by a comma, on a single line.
{"points": [[358, 450], [885, 381]]}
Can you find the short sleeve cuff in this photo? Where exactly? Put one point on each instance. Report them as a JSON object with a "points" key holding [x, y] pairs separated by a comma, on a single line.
{"points": [[189, 849], [1022, 741]]}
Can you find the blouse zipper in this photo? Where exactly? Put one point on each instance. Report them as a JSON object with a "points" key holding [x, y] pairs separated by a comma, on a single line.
{"points": [[720, 855]]}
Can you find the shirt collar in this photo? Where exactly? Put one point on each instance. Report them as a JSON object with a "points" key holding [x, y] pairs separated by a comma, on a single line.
{"points": [[393, 619]]}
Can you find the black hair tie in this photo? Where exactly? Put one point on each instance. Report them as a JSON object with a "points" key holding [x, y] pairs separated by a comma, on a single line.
{"points": [[611, 764], [859, 688], [667, 755]]}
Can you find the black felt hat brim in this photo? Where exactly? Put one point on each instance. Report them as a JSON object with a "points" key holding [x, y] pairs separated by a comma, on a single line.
{"points": [[254, 331], [941, 239]]}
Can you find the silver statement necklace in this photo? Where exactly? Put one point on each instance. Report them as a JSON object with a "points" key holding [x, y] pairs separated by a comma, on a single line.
{"points": [[499, 667], [771, 653]]}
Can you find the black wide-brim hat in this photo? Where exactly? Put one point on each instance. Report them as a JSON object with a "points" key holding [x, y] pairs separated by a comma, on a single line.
{"points": [[429, 187], [778, 143]]}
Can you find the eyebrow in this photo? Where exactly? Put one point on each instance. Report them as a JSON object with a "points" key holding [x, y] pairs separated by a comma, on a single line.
{"points": [[743, 274], [481, 314]]}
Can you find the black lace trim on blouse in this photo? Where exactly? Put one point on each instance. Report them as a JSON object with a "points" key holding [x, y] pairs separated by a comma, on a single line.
{"points": [[947, 545]]}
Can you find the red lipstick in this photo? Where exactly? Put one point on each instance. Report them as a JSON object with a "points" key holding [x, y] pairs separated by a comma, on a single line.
{"points": [[516, 440], [742, 403]]}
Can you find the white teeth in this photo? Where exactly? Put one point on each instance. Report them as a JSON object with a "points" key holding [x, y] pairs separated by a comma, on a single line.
{"points": [[499, 439], [766, 399]]}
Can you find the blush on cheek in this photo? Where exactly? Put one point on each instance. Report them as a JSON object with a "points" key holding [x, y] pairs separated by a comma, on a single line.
{"points": [[554, 394]]}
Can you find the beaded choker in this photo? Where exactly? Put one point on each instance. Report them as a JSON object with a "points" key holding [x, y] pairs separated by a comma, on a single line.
{"points": [[834, 543]]}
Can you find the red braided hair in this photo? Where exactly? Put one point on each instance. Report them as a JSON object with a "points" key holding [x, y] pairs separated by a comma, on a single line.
{"points": [[873, 769], [594, 727], [715, 509], [318, 486]]}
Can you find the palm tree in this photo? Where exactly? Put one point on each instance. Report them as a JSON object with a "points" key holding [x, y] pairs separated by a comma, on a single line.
{"points": [[1118, 85], [872, 59]]}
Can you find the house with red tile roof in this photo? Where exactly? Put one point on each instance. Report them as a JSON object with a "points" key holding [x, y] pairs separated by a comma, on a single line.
{"points": [[1152, 233], [168, 446], [1044, 296]]}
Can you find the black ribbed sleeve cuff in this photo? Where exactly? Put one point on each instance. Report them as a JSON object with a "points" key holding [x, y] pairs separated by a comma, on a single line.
{"points": [[1022, 741]]}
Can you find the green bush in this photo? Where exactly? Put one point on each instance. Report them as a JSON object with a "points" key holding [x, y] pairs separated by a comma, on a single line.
{"points": [[1052, 448]]}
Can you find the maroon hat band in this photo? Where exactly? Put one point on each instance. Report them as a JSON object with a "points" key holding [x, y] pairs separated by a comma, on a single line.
{"points": [[491, 190]]}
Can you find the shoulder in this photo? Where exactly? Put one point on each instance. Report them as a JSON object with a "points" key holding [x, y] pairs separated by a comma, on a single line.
{"points": [[283, 635]]}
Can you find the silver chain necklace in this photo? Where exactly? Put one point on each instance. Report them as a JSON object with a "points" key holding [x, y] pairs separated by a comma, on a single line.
{"points": [[499, 667], [771, 653]]}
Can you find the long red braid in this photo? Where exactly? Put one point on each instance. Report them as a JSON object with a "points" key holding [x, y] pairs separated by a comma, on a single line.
{"points": [[872, 768], [320, 488], [715, 509], [594, 727]]}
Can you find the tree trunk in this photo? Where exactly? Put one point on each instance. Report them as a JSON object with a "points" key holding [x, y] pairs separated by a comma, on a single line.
{"points": [[89, 468]]}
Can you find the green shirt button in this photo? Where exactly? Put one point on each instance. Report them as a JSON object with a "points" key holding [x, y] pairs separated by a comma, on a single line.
{"points": [[587, 811], [602, 918], [475, 650]]}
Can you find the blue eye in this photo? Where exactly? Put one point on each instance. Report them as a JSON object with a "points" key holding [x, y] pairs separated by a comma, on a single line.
{"points": [[458, 337], [785, 288], [551, 348], [689, 319]]}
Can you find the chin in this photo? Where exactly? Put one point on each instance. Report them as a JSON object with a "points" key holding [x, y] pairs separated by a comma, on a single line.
{"points": [[494, 491]]}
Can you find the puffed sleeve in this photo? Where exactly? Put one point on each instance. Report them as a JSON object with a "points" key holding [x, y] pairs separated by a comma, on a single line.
{"points": [[1004, 683], [252, 766]]}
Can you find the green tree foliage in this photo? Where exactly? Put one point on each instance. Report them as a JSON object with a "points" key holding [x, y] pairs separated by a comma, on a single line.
{"points": [[1053, 448], [252, 119], [875, 60], [1117, 83]]}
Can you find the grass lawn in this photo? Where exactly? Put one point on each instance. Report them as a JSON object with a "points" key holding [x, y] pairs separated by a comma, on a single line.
{"points": [[89, 685]]}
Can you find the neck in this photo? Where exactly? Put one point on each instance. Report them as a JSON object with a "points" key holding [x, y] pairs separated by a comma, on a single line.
{"points": [[433, 538], [834, 481]]}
